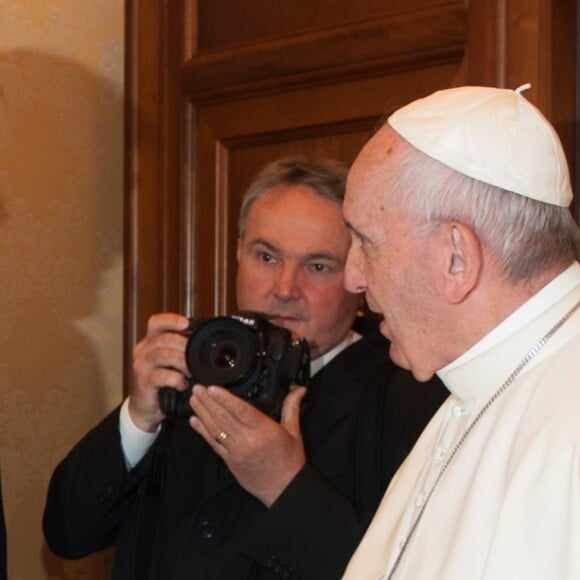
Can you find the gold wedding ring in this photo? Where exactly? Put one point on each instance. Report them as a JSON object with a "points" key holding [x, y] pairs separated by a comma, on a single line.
{"points": [[221, 437]]}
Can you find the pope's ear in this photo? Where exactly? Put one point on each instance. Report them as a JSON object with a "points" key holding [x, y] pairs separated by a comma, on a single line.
{"points": [[239, 249], [461, 261]]}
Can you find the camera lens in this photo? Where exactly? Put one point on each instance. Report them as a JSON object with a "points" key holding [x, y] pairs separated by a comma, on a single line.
{"points": [[224, 356], [224, 351]]}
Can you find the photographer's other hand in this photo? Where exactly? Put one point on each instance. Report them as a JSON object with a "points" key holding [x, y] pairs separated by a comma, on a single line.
{"points": [[263, 455], [158, 360]]}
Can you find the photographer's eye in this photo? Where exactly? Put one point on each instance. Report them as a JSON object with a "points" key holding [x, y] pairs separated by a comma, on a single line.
{"points": [[266, 257], [320, 268]]}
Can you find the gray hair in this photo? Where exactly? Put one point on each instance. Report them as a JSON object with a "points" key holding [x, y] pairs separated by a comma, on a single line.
{"points": [[525, 236], [326, 177]]}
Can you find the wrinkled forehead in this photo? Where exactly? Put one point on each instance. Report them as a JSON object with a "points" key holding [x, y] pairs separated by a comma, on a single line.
{"points": [[368, 180]]}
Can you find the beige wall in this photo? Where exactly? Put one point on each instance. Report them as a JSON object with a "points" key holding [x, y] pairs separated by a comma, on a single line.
{"points": [[61, 85]]}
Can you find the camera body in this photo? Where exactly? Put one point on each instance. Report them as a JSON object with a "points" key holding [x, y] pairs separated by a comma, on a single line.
{"points": [[246, 354]]}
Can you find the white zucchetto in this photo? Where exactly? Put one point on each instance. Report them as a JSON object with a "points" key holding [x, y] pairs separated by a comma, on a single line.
{"points": [[493, 135]]}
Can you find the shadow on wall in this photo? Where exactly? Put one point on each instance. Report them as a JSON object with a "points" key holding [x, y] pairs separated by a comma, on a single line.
{"points": [[60, 255]]}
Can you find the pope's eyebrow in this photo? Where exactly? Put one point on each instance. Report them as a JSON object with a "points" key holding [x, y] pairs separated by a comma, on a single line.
{"points": [[358, 234]]}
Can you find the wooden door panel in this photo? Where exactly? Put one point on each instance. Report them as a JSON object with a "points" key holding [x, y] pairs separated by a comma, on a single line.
{"points": [[319, 106], [399, 40], [227, 23]]}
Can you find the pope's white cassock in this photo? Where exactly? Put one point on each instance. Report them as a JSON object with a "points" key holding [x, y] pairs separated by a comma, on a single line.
{"points": [[508, 505]]}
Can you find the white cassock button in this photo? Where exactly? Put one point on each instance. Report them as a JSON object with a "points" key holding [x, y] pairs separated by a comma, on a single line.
{"points": [[439, 453]]}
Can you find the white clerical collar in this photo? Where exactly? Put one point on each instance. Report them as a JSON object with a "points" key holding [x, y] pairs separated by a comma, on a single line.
{"points": [[350, 338], [538, 303]]}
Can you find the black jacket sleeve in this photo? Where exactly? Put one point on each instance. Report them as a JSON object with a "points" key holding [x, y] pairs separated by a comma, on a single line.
{"points": [[309, 532], [90, 493]]}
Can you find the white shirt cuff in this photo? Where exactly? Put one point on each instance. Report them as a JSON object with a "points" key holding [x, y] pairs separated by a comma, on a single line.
{"points": [[134, 442]]}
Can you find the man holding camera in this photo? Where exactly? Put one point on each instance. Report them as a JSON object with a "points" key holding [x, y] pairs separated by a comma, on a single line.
{"points": [[232, 493]]}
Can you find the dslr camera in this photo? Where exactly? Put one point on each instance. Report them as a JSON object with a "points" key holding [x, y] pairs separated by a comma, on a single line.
{"points": [[246, 354]]}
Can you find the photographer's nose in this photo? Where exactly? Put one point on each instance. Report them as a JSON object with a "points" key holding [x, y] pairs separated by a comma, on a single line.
{"points": [[286, 284]]}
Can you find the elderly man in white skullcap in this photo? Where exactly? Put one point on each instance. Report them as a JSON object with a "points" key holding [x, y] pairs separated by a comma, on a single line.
{"points": [[463, 242]]}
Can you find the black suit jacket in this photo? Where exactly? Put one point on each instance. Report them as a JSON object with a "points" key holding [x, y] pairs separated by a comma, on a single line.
{"points": [[180, 514]]}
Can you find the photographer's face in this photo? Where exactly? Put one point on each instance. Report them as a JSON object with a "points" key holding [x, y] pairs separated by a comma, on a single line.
{"points": [[291, 265]]}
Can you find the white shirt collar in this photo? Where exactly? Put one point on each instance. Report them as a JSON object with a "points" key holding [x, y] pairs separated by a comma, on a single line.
{"points": [[316, 364]]}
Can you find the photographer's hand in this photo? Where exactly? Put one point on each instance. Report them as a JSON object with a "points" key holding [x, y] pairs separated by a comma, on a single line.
{"points": [[263, 455], [158, 360]]}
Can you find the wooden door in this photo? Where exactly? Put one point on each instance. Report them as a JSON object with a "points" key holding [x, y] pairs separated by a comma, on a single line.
{"points": [[217, 88]]}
